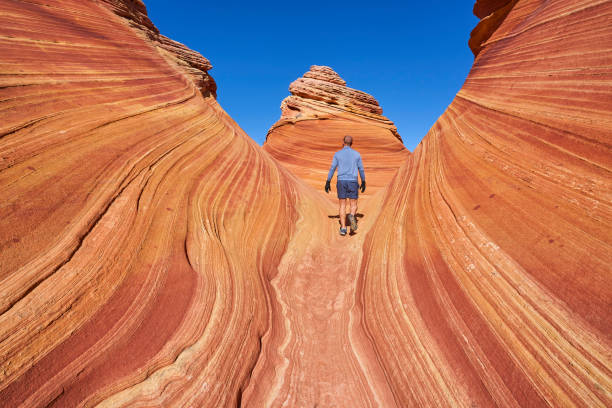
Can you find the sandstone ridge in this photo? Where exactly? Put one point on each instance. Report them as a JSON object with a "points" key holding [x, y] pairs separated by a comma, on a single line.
{"points": [[192, 63], [314, 119], [122, 281], [492, 14], [322, 93]]}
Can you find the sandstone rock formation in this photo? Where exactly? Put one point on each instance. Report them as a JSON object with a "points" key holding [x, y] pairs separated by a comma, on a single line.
{"points": [[144, 263], [192, 63], [315, 117], [496, 287], [492, 14], [131, 271]]}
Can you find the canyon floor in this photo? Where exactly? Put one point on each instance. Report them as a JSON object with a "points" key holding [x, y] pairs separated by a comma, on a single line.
{"points": [[316, 297]]}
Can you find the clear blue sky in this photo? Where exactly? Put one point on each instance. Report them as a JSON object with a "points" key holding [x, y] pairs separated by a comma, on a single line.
{"points": [[412, 57]]}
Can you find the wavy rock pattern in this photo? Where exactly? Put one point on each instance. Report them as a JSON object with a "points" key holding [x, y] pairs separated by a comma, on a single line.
{"points": [[191, 62], [131, 268], [495, 287], [317, 115], [152, 255]]}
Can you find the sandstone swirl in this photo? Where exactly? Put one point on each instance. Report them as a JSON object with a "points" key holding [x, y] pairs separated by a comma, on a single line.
{"points": [[131, 269], [496, 287], [320, 111], [152, 255]]}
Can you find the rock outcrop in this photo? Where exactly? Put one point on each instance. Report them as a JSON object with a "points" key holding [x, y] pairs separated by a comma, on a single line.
{"points": [[495, 288], [320, 111], [492, 14], [152, 255], [131, 269], [191, 62]]}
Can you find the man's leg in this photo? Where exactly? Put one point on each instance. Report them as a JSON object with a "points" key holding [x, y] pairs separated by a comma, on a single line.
{"points": [[352, 218], [342, 202], [353, 206]]}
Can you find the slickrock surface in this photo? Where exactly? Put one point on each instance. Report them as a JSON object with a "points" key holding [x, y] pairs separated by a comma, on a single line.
{"points": [[139, 227], [152, 255], [487, 277], [483, 8], [317, 352], [317, 115]]}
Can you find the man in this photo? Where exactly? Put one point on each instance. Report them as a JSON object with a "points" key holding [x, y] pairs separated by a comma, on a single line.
{"points": [[348, 162]]}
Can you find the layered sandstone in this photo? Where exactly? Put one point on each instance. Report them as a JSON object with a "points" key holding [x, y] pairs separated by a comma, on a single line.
{"points": [[495, 288], [192, 63], [492, 15], [317, 115], [131, 270], [152, 255]]}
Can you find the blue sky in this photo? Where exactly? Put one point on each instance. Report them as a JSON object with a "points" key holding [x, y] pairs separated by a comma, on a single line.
{"points": [[412, 57]]}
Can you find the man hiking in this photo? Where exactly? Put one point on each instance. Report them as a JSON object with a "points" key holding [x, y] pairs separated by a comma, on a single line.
{"points": [[348, 161]]}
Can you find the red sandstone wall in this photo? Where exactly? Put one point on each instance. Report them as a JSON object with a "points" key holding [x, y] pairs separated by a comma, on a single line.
{"points": [[495, 289], [131, 269]]}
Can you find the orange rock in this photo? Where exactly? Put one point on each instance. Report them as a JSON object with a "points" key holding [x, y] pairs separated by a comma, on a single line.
{"points": [[152, 254], [317, 115], [495, 289], [122, 281], [492, 18]]}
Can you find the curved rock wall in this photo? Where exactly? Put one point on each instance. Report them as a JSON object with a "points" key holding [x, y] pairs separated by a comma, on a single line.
{"points": [[494, 288], [134, 12], [135, 230]]}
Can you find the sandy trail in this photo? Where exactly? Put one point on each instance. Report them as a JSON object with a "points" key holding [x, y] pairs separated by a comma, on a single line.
{"points": [[316, 352]]}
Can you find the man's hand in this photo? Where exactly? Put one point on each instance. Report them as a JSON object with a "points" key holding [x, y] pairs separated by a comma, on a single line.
{"points": [[362, 186], [327, 187]]}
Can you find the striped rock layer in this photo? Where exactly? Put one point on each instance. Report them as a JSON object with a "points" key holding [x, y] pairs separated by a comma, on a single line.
{"points": [[317, 115], [495, 287], [152, 255], [132, 270]]}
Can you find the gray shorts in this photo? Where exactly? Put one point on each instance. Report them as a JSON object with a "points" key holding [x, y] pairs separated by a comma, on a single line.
{"points": [[347, 189]]}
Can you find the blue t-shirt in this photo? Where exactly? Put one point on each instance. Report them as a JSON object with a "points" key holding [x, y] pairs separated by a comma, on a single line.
{"points": [[348, 162]]}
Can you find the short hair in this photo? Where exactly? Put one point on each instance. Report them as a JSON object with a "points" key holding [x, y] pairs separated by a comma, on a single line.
{"points": [[348, 140]]}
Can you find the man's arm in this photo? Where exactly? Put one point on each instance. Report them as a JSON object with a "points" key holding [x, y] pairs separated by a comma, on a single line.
{"points": [[331, 174], [360, 167], [333, 168], [361, 173]]}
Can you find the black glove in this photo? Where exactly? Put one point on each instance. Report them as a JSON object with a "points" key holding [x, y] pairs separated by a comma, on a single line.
{"points": [[327, 187], [362, 186]]}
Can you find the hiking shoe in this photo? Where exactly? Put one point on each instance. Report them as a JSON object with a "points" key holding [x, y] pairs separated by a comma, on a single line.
{"points": [[353, 222], [343, 231]]}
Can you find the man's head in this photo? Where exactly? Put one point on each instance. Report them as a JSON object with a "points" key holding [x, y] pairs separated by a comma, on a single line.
{"points": [[348, 140]]}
